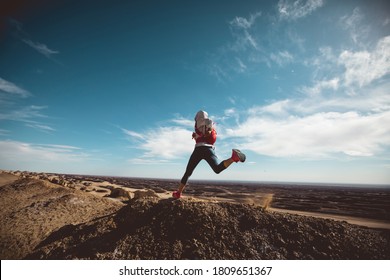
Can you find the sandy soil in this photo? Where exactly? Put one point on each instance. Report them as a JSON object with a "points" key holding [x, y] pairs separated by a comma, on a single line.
{"points": [[32, 209], [6, 178], [370, 223], [54, 216]]}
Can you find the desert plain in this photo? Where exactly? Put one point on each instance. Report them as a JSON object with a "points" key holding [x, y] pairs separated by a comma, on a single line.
{"points": [[63, 216]]}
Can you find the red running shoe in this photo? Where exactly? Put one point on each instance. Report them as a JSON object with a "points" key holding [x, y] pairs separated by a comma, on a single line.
{"points": [[237, 156], [176, 194]]}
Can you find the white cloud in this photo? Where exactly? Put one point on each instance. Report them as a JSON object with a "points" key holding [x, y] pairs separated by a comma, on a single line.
{"points": [[16, 151], [350, 21], [244, 23], [324, 64], [250, 40], [278, 108], [354, 25], [320, 86], [133, 134], [241, 66], [9, 95], [230, 112], [241, 30], [314, 136], [218, 72], [27, 115], [61, 147], [41, 127], [41, 48], [232, 100], [244, 41], [249, 47], [364, 67], [11, 88], [183, 122], [24, 37], [164, 143], [298, 8], [371, 100], [24, 114], [349, 71], [282, 57], [296, 39], [168, 142]]}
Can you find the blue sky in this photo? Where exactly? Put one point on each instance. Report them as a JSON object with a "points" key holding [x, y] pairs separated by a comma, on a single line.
{"points": [[111, 87]]}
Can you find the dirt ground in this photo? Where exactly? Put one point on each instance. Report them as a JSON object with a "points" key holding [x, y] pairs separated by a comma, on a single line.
{"points": [[32, 209], [51, 216]]}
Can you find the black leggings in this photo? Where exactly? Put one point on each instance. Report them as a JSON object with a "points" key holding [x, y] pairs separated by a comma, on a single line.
{"points": [[199, 153]]}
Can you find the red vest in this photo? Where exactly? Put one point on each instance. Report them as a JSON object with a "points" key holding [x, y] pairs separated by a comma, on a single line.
{"points": [[209, 139]]}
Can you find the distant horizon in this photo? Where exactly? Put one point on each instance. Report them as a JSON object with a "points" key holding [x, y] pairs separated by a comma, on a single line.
{"points": [[329, 184]]}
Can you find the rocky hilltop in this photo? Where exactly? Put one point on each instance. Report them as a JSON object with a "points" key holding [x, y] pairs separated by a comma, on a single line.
{"points": [[149, 228]]}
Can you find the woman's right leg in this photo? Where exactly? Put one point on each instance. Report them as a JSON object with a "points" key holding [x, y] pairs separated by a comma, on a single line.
{"points": [[194, 160]]}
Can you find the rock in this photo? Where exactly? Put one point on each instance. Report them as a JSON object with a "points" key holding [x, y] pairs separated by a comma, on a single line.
{"points": [[119, 192], [159, 190], [143, 194], [101, 191]]}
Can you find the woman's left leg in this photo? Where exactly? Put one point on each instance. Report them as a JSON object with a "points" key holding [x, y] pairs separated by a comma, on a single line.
{"points": [[212, 160]]}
